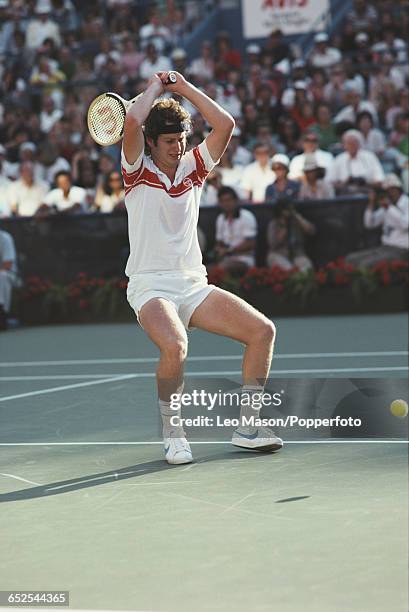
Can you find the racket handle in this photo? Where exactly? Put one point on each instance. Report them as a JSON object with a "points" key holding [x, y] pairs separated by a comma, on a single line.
{"points": [[172, 78]]}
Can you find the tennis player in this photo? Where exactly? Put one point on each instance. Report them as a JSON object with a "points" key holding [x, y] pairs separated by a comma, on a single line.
{"points": [[168, 287]]}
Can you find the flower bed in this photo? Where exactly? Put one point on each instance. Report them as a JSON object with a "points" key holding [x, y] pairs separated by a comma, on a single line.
{"points": [[85, 299], [337, 288]]}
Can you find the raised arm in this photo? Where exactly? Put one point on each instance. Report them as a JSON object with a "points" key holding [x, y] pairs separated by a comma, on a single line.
{"points": [[133, 142], [221, 122]]}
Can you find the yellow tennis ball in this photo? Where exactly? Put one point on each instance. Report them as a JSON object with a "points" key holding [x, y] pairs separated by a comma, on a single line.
{"points": [[399, 408]]}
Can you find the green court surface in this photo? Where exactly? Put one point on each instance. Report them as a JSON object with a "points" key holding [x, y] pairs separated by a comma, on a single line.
{"points": [[90, 506]]}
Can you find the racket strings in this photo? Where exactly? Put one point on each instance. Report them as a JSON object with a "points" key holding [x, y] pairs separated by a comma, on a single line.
{"points": [[106, 120]]}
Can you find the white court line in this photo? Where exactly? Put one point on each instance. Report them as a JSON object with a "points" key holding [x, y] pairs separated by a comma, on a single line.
{"points": [[198, 373], [22, 479], [15, 364], [115, 378], [199, 442], [65, 387], [58, 377]]}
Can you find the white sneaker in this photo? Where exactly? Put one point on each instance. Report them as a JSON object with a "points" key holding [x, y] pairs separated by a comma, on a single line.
{"points": [[263, 439], [177, 450]]}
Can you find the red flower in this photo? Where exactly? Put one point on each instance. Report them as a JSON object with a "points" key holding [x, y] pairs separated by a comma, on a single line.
{"points": [[386, 278], [83, 304], [341, 279], [74, 291], [278, 288], [321, 277]]}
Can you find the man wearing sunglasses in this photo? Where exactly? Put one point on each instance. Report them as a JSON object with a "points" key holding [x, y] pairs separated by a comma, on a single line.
{"points": [[310, 146]]}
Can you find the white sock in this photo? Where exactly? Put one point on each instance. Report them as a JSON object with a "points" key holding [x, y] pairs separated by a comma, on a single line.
{"points": [[250, 405], [166, 412]]}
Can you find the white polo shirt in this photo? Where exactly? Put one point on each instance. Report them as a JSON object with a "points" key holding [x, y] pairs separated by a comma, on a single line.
{"points": [[256, 179], [323, 159], [76, 195], [395, 222], [365, 164], [163, 216], [233, 232]]}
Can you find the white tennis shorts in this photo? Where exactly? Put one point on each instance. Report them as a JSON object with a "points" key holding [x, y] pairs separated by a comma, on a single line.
{"points": [[184, 290]]}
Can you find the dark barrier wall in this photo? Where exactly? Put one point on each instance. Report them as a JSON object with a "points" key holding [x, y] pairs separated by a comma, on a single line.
{"points": [[60, 246]]}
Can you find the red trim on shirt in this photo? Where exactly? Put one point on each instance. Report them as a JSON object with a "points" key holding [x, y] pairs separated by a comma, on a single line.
{"points": [[151, 179], [131, 177], [200, 165]]}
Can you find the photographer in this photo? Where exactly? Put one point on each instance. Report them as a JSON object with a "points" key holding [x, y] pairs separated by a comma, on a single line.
{"points": [[389, 208], [356, 170], [285, 237], [236, 232]]}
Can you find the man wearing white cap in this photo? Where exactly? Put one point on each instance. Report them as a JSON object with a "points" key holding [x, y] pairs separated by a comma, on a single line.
{"points": [[322, 55], [393, 216], [42, 27]]}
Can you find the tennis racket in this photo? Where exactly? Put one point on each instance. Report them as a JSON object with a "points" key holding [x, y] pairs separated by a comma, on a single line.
{"points": [[106, 116]]}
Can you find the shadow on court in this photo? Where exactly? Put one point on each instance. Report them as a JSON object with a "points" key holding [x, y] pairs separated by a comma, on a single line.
{"points": [[95, 480]]}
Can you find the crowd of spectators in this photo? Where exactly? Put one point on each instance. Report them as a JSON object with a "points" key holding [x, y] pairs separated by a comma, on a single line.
{"points": [[309, 126]]}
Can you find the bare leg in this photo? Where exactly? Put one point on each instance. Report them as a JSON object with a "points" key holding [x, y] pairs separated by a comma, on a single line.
{"points": [[228, 315], [163, 326]]}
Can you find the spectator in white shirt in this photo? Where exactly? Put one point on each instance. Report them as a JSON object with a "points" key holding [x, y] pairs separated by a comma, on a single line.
{"points": [[153, 63], [106, 52], [355, 170], [66, 198], [27, 194], [236, 232], [154, 32], [310, 146], [393, 216], [354, 106], [391, 44], [202, 68], [258, 175], [49, 115], [322, 55], [42, 27], [231, 174], [373, 139]]}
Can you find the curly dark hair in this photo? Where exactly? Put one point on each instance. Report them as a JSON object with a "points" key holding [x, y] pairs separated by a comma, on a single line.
{"points": [[166, 112]]}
